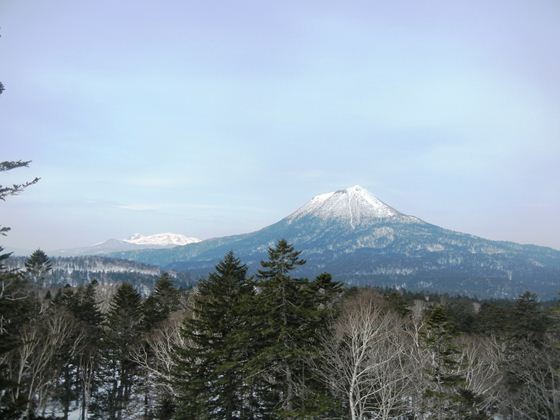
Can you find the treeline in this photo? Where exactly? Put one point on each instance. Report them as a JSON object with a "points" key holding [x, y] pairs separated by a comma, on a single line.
{"points": [[80, 270], [270, 346]]}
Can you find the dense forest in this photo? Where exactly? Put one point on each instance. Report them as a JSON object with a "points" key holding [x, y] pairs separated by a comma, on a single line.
{"points": [[270, 346], [80, 270]]}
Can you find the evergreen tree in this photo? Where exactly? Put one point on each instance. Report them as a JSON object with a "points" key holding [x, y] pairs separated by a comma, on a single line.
{"points": [[17, 304], [446, 395], [157, 308], [526, 339], [397, 302], [38, 266], [65, 392], [528, 320], [77, 373], [212, 366], [493, 319], [317, 309], [91, 319], [122, 333], [161, 303], [286, 329]]}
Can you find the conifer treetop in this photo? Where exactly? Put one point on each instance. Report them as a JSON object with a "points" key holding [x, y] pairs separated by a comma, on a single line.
{"points": [[282, 259]]}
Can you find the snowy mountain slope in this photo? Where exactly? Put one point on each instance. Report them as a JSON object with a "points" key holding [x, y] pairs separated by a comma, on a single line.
{"points": [[354, 206], [361, 240], [134, 242], [161, 239]]}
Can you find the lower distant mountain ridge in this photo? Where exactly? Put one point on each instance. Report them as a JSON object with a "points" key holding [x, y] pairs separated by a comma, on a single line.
{"points": [[363, 241], [134, 242], [75, 271]]}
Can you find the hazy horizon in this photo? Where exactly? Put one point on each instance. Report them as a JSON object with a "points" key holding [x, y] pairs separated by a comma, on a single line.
{"points": [[214, 119]]}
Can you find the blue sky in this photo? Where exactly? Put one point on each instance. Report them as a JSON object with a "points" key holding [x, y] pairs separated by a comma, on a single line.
{"points": [[210, 118]]}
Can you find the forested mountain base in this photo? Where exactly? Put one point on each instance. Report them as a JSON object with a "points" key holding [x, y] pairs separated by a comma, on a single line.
{"points": [[76, 271], [270, 346]]}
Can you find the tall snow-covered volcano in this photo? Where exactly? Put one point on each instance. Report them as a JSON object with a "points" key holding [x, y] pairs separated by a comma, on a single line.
{"points": [[354, 205], [362, 240]]}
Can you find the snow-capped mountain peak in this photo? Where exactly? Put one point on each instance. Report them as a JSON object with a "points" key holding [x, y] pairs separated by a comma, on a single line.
{"points": [[161, 239], [355, 205]]}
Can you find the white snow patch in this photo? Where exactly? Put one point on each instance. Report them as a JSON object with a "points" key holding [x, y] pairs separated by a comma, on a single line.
{"points": [[161, 239], [434, 248]]}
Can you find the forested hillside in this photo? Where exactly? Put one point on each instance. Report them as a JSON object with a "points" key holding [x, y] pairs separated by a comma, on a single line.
{"points": [[271, 346], [76, 271]]}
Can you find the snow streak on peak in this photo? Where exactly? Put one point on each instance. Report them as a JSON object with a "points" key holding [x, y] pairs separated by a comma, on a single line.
{"points": [[161, 239], [356, 205]]}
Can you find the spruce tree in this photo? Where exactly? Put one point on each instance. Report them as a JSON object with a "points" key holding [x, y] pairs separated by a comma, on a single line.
{"points": [[122, 333], [87, 312], [212, 365], [446, 395], [526, 338], [66, 391], [38, 266], [318, 308], [157, 308], [79, 370], [528, 321], [282, 299], [161, 303], [18, 304]]}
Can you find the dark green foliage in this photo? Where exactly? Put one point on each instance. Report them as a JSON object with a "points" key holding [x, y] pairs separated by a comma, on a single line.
{"points": [[212, 366], [438, 336], [528, 321], [122, 333], [76, 380], [163, 300], [38, 265], [318, 307], [87, 309], [446, 394], [157, 308], [282, 304], [397, 302], [166, 408], [18, 306], [282, 259], [532, 360], [294, 315], [462, 314], [493, 318]]}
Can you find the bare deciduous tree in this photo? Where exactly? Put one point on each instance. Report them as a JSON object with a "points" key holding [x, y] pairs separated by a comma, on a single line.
{"points": [[537, 371], [480, 363], [157, 356], [365, 361], [33, 364]]}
